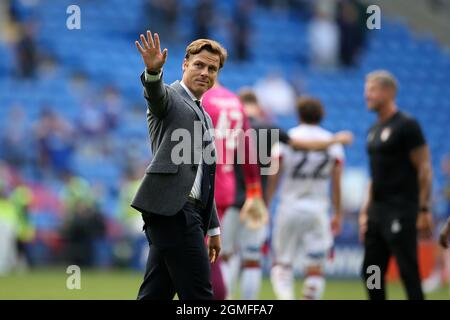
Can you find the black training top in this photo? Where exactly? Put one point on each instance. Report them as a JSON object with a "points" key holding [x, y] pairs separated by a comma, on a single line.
{"points": [[262, 128], [394, 178]]}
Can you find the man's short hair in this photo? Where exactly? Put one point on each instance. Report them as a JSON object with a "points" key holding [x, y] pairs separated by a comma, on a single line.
{"points": [[247, 95], [384, 78], [310, 110], [212, 46]]}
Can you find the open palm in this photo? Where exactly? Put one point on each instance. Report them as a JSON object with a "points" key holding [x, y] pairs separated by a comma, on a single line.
{"points": [[151, 53]]}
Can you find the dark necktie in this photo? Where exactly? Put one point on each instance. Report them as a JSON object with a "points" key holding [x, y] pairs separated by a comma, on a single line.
{"points": [[199, 105], [206, 182]]}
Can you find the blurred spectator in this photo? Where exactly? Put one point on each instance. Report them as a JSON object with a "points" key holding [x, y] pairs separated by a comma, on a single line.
{"points": [[14, 138], [131, 219], [276, 95], [241, 28], [55, 143], [131, 148], [22, 197], [113, 106], [75, 189], [204, 14], [97, 120], [8, 231], [83, 227], [352, 30], [92, 120], [162, 18], [323, 38], [26, 52], [98, 116], [84, 223]]}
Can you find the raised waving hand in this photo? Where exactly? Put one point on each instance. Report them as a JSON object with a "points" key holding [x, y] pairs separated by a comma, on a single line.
{"points": [[151, 53]]}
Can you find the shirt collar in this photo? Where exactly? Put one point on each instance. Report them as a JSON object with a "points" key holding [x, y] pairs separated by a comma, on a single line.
{"points": [[189, 91]]}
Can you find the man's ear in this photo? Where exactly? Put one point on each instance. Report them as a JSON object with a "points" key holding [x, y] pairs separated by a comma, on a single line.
{"points": [[185, 64], [393, 93]]}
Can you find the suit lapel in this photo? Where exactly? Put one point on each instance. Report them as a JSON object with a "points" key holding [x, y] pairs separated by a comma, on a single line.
{"points": [[177, 86], [187, 99]]}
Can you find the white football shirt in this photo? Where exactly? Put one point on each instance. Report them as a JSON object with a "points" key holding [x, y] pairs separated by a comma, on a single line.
{"points": [[307, 174]]}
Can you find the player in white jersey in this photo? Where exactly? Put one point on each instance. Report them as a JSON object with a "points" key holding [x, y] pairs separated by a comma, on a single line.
{"points": [[302, 222]]}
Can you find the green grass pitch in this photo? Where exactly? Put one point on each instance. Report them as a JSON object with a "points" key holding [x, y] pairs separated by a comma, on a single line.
{"points": [[50, 284]]}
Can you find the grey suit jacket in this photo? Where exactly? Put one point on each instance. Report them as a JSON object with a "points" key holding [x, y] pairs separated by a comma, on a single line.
{"points": [[166, 186]]}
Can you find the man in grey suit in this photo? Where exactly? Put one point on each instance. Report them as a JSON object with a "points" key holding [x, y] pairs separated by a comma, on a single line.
{"points": [[176, 198]]}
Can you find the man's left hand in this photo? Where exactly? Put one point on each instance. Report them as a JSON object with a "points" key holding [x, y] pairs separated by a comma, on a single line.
{"points": [[444, 234], [214, 246], [425, 224], [336, 224]]}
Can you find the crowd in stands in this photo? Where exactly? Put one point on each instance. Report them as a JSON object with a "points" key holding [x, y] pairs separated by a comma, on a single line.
{"points": [[67, 174]]}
